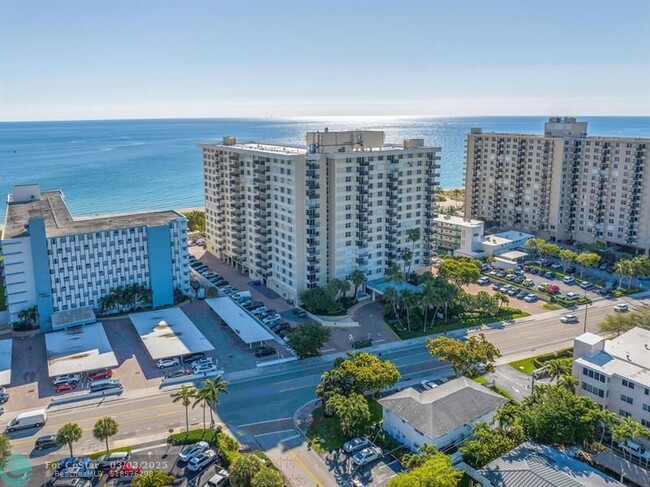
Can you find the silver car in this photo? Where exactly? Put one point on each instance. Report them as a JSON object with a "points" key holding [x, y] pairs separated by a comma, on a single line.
{"points": [[192, 451]]}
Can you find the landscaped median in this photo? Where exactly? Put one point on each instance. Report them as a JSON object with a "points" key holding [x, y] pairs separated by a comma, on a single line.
{"points": [[531, 364]]}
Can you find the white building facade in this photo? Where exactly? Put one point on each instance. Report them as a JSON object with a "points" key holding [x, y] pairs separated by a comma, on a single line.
{"points": [[57, 263], [615, 373], [297, 217]]}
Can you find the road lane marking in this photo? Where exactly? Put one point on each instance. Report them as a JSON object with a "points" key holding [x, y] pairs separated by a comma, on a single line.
{"points": [[264, 422], [274, 433], [305, 468]]}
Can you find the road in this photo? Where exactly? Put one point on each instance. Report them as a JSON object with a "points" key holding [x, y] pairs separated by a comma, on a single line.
{"points": [[276, 394]]}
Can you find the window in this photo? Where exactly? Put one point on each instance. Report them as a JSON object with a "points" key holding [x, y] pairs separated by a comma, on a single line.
{"points": [[594, 375], [593, 390], [627, 399], [627, 383], [646, 407], [623, 413]]}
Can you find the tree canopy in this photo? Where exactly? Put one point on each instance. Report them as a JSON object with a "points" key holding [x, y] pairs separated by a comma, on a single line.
{"points": [[307, 339], [68, 434], [153, 478], [460, 271], [267, 477], [244, 469], [105, 428], [435, 471], [618, 323], [464, 356], [5, 449], [370, 372], [351, 410]]}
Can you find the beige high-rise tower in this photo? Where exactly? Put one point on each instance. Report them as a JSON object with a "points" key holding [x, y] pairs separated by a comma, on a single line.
{"points": [[563, 185], [297, 217]]}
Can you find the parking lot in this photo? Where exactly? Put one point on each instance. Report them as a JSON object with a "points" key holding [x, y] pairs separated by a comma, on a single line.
{"points": [[376, 473]]}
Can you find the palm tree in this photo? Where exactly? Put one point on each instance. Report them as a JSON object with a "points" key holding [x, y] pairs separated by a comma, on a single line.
{"points": [[390, 295], [568, 382], [185, 396], [29, 316], [502, 299], [428, 300], [210, 390], [394, 274], [104, 429], [409, 301], [556, 368], [507, 416], [153, 478], [200, 399], [532, 244], [357, 277], [68, 434], [626, 430], [608, 420], [622, 268], [413, 235], [406, 255]]}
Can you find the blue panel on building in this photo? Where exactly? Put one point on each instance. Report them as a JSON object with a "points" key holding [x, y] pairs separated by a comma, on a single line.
{"points": [[160, 265], [41, 264]]}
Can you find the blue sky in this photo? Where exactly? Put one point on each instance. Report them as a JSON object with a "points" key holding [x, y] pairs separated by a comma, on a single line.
{"points": [[146, 59]]}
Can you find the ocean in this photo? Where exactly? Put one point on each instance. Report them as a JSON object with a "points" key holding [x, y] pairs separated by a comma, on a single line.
{"points": [[118, 166]]}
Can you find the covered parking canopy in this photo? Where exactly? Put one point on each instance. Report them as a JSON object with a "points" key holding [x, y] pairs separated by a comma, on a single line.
{"points": [[78, 349], [379, 286], [5, 362], [169, 333], [241, 322]]}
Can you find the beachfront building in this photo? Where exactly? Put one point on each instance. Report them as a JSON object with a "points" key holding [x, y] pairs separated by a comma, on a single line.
{"points": [[615, 373], [295, 217], [563, 185], [458, 236], [59, 263]]}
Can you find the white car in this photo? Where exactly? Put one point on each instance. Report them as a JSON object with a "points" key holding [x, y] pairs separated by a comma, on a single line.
{"points": [[431, 383], [356, 444], [272, 319], [367, 455], [483, 281], [67, 379], [621, 308], [219, 479], [572, 296], [259, 311], [531, 298], [205, 369], [192, 451], [203, 460], [568, 279], [165, 363], [203, 361], [569, 319]]}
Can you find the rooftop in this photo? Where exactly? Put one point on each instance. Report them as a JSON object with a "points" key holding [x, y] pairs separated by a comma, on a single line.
{"points": [[459, 221], [78, 349], [534, 465], [632, 346], [240, 321], [380, 286], [5, 362], [169, 333], [443, 409], [504, 238], [73, 317], [58, 220]]}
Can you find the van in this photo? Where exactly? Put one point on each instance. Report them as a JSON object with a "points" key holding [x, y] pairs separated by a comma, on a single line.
{"points": [[102, 385], [30, 419]]}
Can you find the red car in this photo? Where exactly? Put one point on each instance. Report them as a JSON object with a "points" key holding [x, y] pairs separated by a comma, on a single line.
{"points": [[100, 374], [126, 470], [66, 386], [553, 289]]}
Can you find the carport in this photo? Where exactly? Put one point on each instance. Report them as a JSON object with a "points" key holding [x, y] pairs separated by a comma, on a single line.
{"points": [[78, 349], [379, 286], [5, 362], [247, 328], [169, 333]]}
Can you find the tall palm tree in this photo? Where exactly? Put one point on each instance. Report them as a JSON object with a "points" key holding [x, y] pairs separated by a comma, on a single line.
{"points": [[556, 368], [200, 399], [608, 420], [428, 300], [394, 274], [390, 295], [210, 390], [413, 235], [568, 382], [626, 430], [104, 429], [409, 301], [185, 396], [407, 256], [357, 277], [622, 268]]}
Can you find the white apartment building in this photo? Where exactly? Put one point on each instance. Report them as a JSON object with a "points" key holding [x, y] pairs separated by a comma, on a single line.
{"points": [[458, 236], [297, 217], [563, 185], [615, 373], [59, 263]]}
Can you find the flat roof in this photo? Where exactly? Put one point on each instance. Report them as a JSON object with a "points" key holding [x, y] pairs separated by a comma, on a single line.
{"points": [[380, 286], [58, 220], [73, 317], [5, 362], [239, 320], [78, 349], [169, 333], [512, 255], [458, 220]]}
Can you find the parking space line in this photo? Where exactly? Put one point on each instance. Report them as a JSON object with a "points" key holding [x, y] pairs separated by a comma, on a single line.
{"points": [[264, 422], [274, 433]]}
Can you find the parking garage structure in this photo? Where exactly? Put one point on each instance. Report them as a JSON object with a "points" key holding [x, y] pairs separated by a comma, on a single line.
{"points": [[247, 328]]}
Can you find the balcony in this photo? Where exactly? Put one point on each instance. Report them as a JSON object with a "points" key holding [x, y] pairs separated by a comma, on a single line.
{"points": [[312, 174], [362, 261], [311, 241], [311, 193]]}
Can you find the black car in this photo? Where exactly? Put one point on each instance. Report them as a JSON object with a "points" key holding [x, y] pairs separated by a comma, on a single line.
{"points": [[178, 373], [43, 442], [253, 305], [193, 357], [268, 313], [265, 352], [281, 325], [300, 313], [533, 270]]}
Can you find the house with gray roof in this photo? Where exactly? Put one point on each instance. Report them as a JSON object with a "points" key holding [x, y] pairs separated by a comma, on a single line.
{"points": [[442, 416], [535, 465]]}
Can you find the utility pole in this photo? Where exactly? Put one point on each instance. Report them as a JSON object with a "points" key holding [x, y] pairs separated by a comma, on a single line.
{"points": [[584, 329]]}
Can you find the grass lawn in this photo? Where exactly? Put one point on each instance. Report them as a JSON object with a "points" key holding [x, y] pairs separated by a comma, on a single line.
{"points": [[459, 323], [189, 437], [483, 381], [552, 306], [528, 366], [95, 456], [325, 433]]}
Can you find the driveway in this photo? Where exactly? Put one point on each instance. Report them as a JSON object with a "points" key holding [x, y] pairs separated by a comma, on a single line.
{"points": [[514, 382], [377, 473]]}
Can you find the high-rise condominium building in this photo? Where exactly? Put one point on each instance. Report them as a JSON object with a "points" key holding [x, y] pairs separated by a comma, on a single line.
{"points": [[297, 217], [58, 263], [563, 185]]}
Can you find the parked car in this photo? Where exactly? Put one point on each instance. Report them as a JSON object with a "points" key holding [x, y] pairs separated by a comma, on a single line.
{"points": [[201, 461], [571, 269], [48, 441], [569, 280], [533, 270], [274, 318], [603, 266], [497, 286], [621, 308], [193, 357], [204, 368], [367, 455], [485, 267], [586, 285], [519, 279], [528, 283], [165, 363], [178, 373], [355, 444], [501, 274], [522, 295], [64, 379], [431, 383], [550, 275], [100, 374], [219, 479], [127, 469], [511, 277], [556, 266], [483, 281], [71, 462], [202, 361], [553, 289], [103, 385], [65, 386], [280, 326], [531, 298], [569, 319], [112, 460], [253, 304], [259, 311], [193, 450], [265, 352], [513, 291]]}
